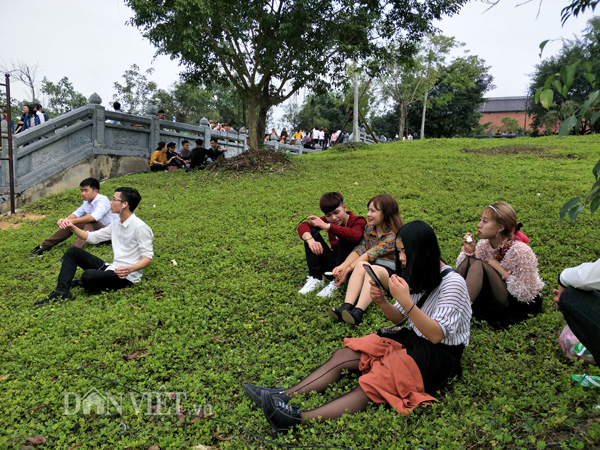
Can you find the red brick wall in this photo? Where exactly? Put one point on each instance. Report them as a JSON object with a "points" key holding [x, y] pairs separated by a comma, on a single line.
{"points": [[496, 119]]}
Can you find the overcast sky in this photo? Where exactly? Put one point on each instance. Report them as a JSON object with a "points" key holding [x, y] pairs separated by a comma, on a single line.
{"points": [[89, 42]]}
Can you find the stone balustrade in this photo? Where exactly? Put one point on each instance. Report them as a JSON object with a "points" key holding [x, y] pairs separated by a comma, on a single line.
{"points": [[91, 141]]}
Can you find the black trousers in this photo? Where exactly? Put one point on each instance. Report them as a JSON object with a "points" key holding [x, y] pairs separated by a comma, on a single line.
{"points": [[326, 261], [95, 276], [582, 312]]}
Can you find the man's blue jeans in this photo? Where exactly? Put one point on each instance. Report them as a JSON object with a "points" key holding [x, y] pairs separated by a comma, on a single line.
{"points": [[582, 313]]}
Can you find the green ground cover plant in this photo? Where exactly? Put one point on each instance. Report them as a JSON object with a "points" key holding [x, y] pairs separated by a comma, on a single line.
{"points": [[219, 307]]}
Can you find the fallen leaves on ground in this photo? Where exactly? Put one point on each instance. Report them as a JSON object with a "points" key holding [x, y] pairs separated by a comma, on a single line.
{"points": [[36, 440], [36, 407], [138, 353]]}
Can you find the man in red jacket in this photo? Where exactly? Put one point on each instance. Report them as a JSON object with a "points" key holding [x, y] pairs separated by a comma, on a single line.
{"points": [[345, 231]]}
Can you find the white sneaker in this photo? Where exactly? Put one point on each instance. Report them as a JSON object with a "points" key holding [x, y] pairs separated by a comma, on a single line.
{"points": [[328, 290], [310, 285]]}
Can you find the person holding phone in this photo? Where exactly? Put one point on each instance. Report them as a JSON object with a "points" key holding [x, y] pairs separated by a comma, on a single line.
{"points": [[344, 231], [400, 366], [377, 250], [373, 276], [501, 269]]}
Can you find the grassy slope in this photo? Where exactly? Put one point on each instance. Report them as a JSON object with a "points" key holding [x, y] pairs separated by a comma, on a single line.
{"points": [[228, 312]]}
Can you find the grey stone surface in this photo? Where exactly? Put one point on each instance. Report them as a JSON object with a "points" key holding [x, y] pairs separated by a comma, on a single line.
{"points": [[95, 99]]}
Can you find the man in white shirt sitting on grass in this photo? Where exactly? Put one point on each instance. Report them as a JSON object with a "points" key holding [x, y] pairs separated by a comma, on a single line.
{"points": [[132, 248], [93, 214]]}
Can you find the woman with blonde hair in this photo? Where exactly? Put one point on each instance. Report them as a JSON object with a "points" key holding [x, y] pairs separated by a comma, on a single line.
{"points": [[378, 250], [501, 269]]}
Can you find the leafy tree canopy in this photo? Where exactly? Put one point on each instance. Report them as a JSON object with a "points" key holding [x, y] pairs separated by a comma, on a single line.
{"points": [[333, 108], [268, 49], [327, 111], [407, 81], [452, 101], [62, 96], [136, 92], [572, 74]]}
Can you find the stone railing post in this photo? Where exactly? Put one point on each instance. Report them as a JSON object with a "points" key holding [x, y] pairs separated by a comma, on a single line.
{"points": [[98, 120], [244, 135], [207, 131], [152, 114]]}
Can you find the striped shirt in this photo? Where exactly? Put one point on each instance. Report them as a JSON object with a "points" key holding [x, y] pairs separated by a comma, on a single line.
{"points": [[449, 305]]}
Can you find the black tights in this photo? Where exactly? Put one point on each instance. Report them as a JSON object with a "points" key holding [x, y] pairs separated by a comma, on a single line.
{"points": [[484, 283], [330, 372]]}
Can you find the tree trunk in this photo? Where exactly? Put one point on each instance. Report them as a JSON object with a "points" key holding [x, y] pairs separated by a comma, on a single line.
{"points": [[355, 130], [262, 122], [423, 116], [402, 119], [253, 121]]}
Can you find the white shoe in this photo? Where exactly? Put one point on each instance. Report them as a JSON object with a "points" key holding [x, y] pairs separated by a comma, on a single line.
{"points": [[328, 290], [310, 285]]}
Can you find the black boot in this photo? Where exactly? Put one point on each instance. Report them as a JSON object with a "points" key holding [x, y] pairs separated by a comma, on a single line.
{"points": [[254, 393], [280, 416], [353, 317], [336, 314], [54, 297]]}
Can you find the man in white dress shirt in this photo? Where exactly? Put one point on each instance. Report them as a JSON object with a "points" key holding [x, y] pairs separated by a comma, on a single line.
{"points": [[93, 214], [132, 248]]}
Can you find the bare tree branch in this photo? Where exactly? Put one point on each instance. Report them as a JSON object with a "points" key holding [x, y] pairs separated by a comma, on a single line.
{"points": [[24, 73]]}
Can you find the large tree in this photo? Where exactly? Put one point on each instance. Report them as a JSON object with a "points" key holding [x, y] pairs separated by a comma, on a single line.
{"points": [[327, 110], [454, 99], [268, 49], [135, 94], [579, 62], [333, 108], [407, 81], [451, 104], [62, 96]]}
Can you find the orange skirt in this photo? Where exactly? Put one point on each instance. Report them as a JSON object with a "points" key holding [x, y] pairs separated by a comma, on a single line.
{"points": [[389, 374]]}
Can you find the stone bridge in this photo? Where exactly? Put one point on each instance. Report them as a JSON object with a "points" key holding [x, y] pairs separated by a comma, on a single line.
{"points": [[93, 142]]}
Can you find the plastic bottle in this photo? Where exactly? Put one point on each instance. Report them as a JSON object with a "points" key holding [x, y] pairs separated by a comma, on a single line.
{"points": [[586, 380]]}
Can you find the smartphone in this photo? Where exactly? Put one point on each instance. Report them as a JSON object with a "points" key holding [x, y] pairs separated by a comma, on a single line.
{"points": [[373, 276]]}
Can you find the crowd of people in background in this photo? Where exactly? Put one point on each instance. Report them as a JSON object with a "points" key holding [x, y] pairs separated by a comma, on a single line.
{"points": [[310, 139], [33, 114], [166, 158]]}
